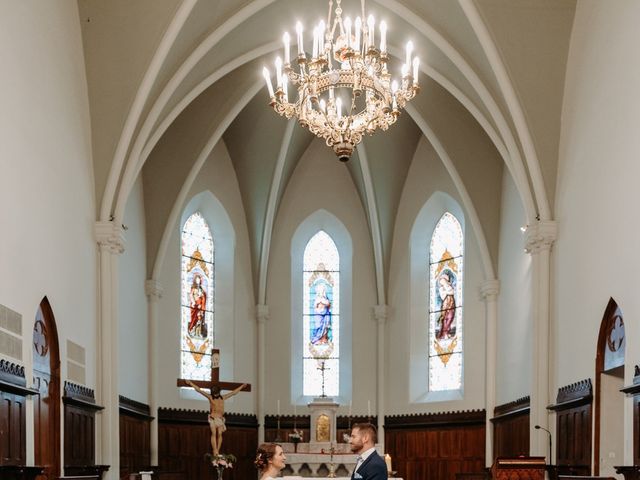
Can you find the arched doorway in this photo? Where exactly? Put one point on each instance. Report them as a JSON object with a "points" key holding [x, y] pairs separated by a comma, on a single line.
{"points": [[46, 379], [609, 402]]}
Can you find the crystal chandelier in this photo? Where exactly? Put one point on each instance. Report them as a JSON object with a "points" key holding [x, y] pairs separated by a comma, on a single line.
{"points": [[344, 89]]}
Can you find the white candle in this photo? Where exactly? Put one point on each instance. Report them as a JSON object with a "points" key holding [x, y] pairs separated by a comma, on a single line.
{"points": [[314, 53], [278, 72], [299, 33], [356, 45], [295, 410], [383, 37], [278, 407], [350, 405], [409, 50], [371, 28], [321, 38], [287, 43], [387, 460], [368, 408], [323, 105], [339, 107], [347, 26], [267, 77], [416, 67]]}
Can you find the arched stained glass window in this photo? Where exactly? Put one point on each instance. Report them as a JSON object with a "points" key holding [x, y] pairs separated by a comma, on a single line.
{"points": [[198, 277], [321, 317], [445, 306]]}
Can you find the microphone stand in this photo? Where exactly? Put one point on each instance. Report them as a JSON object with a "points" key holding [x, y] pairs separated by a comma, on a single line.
{"points": [[538, 427]]}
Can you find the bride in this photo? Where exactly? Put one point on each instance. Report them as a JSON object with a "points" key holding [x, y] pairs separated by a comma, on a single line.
{"points": [[270, 459]]}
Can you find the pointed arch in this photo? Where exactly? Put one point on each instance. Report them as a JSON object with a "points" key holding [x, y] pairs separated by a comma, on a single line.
{"points": [[446, 280], [610, 359], [314, 232], [197, 305], [421, 291], [46, 379]]}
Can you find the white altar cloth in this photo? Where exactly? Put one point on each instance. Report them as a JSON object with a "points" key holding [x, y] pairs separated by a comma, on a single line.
{"points": [[293, 477]]}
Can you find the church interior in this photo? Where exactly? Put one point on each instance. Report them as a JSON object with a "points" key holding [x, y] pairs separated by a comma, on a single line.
{"points": [[164, 218]]}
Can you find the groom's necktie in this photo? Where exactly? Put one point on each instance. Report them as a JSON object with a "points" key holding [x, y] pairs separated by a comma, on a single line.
{"points": [[358, 463]]}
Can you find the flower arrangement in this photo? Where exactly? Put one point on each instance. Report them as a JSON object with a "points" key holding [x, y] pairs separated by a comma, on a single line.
{"points": [[296, 436], [221, 461]]}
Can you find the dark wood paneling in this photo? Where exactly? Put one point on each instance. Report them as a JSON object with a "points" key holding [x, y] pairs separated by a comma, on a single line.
{"points": [[12, 429], [13, 392], [135, 436], [573, 428], [79, 425], [302, 423], [511, 428], [12, 472], [184, 437], [436, 445]]}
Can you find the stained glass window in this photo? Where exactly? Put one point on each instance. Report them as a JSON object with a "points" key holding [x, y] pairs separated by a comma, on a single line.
{"points": [[321, 317], [197, 299], [445, 305]]}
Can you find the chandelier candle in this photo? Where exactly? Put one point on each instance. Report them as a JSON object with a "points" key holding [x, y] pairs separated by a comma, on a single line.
{"points": [[344, 64]]}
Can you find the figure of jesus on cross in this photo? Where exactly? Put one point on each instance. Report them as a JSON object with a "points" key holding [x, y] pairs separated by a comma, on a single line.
{"points": [[216, 399]]}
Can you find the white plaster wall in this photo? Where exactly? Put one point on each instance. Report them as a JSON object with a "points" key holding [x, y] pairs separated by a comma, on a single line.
{"points": [[47, 245], [320, 182], [427, 176], [216, 194], [515, 325], [133, 332], [597, 199], [47, 204]]}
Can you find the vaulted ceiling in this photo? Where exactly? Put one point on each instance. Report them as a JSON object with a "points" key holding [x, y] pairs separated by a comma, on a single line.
{"points": [[170, 79]]}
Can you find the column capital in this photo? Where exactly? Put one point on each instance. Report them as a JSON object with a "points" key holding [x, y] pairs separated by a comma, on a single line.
{"points": [[153, 288], [262, 313], [540, 236], [381, 313], [110, 235], [489, 289]]}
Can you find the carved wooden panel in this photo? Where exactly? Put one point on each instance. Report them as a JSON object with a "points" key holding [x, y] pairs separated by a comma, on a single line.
{"points": [[573, 428], [12, 429], [135, 436], [184, 437], [511, 429], [436, 446]]}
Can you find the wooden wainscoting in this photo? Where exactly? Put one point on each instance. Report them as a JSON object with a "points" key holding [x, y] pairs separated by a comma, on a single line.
{"points": [[13, 393], [511, 428], [184, 437], [135, 436], [436, 446], [573, 428], [79, 425]]}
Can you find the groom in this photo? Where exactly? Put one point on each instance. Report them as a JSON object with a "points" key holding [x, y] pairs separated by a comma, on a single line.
{"points": [[370, 465]]}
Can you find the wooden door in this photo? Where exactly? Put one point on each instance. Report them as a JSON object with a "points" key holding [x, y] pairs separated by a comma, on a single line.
{"points": [[46, 379]]}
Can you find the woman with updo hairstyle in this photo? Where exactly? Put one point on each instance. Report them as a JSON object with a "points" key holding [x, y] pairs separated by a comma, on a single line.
{"points": [[270, 459]]}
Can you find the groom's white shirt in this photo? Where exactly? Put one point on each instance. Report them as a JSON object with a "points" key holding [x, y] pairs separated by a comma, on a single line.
{"points": [[363, 456]]}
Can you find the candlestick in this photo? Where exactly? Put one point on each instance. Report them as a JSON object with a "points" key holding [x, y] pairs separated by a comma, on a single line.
{"points": [[383, 37], [299, 37], [278, 407], [286, 40], [387, 460], [350, 405], [368, 408]]}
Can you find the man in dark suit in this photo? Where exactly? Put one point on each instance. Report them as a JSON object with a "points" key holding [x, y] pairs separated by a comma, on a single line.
{"points": [[370, 465]]}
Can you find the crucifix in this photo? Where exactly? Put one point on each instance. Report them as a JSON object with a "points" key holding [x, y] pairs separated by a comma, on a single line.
{"points": [[323, 368], [216, 399]]}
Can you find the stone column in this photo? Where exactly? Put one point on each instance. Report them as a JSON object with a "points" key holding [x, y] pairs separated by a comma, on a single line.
{"points": [[111, 243], [262, 315], [489, 291], [380, 314], [539, 240], [153, 289]]}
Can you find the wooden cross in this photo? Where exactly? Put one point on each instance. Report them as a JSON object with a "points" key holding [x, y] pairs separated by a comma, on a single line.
{"points": [[215, 385], [322, 369]]}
